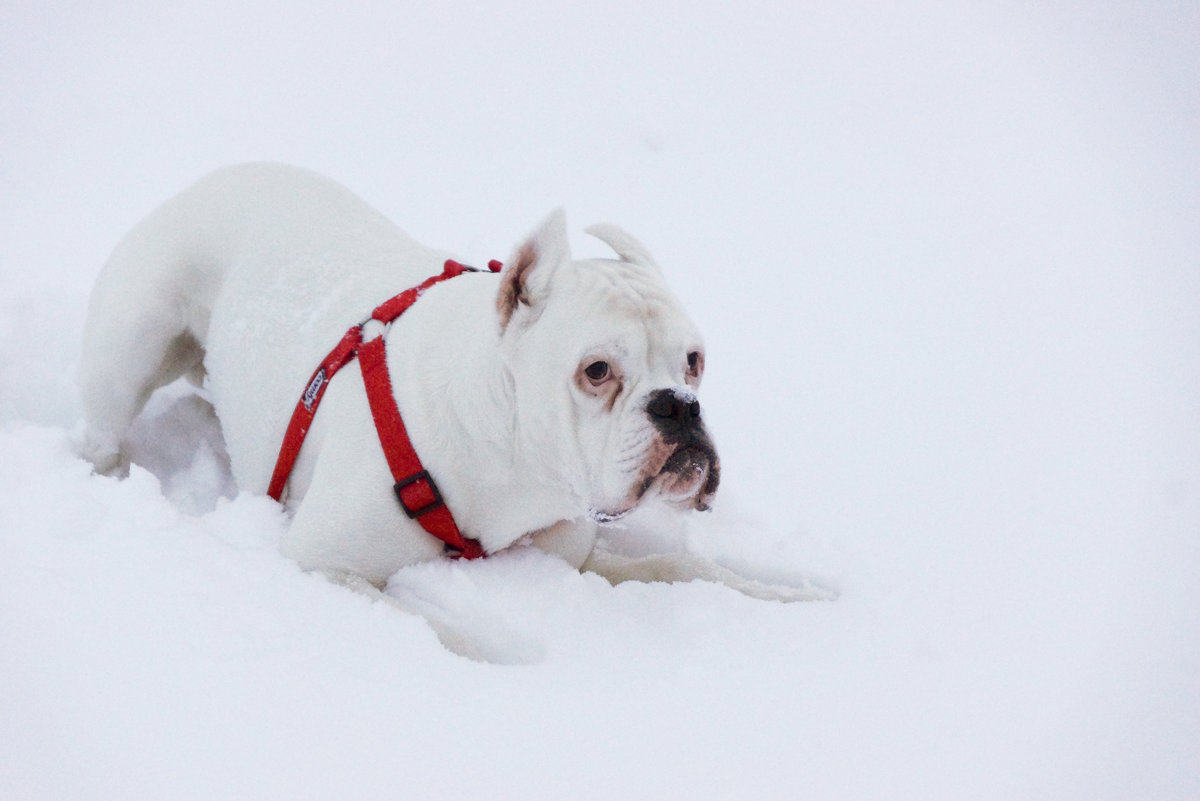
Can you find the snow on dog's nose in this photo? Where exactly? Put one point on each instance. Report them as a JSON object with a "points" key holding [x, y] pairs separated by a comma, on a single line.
{"points": [[673, 411]]}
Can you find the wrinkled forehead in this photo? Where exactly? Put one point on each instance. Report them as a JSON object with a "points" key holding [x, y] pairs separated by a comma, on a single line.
{"points": [[639, 299], [625, 288]]}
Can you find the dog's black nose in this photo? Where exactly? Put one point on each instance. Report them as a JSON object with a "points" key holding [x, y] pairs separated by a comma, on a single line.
{"points": [[667, 406]]}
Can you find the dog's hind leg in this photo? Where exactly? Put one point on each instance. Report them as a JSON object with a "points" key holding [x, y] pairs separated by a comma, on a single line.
{"points": [[119, 371], [141, 334]]}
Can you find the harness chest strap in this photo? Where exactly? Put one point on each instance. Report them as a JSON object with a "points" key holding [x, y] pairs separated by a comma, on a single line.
{"points": [[415, 488]]}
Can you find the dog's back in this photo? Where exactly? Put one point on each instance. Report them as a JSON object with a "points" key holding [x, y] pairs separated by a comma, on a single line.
{"points": [[265, 251]]}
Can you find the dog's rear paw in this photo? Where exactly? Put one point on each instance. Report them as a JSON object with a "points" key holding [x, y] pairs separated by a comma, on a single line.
{"points": [[104, 453]]}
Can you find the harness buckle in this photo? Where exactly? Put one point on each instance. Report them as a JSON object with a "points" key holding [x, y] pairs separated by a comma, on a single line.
{"points": [[404, 483]]}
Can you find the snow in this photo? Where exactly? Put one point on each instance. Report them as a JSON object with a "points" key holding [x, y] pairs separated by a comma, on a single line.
{"points": [[947, 261]]}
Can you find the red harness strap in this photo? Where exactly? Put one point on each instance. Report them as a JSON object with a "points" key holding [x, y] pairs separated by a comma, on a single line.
{"points": [[415, 488]]}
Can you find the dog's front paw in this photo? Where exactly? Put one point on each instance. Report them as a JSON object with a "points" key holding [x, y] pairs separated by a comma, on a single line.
{"points": [[806, 590], [679, 567]]}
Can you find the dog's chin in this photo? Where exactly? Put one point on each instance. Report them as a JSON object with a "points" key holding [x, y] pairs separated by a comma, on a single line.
{"points": [[688, 480]]}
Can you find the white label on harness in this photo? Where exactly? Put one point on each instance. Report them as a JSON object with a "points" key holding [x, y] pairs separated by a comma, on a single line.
{"points": [[314, 389]]}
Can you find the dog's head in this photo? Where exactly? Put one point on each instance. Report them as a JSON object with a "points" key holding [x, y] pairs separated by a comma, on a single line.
{"points": [[605, 366]]}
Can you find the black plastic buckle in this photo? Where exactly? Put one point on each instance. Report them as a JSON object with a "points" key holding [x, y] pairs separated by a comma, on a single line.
{"points": [[403, 483]]}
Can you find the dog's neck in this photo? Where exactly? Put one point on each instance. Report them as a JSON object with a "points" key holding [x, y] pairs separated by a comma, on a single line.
{"points": [[495, 477]]}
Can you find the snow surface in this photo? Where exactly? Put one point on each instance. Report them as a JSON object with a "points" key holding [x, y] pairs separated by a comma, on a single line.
{"points": [[947, 259]]}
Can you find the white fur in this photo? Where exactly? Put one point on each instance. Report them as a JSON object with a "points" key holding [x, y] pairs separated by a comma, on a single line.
{"points": [[258, 270]]}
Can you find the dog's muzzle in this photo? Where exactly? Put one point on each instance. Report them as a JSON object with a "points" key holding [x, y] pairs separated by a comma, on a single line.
{"points": [[691, 470]]}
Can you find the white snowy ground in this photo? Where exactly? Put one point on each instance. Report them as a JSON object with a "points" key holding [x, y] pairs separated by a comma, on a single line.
{"points": [[948, 263]]}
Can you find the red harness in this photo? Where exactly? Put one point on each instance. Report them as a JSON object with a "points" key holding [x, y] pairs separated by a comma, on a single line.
{"points": [[415, 488]]}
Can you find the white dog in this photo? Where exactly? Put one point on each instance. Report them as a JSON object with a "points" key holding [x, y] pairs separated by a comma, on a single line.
{"points": [[541, 402]]}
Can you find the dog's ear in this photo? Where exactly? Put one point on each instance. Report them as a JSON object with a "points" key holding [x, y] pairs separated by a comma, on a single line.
{"points": [[625, 246], [525, 280]]}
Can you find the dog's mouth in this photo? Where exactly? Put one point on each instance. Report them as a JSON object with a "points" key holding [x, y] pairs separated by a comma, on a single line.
{"points": [[689, 476], [683, 474]]}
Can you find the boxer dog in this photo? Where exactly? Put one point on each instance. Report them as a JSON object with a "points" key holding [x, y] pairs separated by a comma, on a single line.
{"points": [[547, 400]]}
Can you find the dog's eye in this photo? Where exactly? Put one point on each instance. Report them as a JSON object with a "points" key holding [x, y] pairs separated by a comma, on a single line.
{"points": [[597, 372], [695, 364]]}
